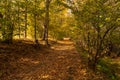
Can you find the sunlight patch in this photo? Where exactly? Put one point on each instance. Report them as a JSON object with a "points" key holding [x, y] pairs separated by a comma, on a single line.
{"points": [[62, 48], [65, 42], [29, 60], [61, 57], [46, 76]]}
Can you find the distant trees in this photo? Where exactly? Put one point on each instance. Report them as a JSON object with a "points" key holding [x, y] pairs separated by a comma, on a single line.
{"points": [[61, 21], [34, 19], [16, 18]]}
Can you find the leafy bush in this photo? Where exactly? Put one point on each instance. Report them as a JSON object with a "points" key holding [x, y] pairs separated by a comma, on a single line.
{"points": [[105, 67]]}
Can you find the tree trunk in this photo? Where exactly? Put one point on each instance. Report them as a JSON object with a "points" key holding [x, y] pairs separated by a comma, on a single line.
{"points": [[35, 27], [19, 29], [46, 24], [25, 29]]}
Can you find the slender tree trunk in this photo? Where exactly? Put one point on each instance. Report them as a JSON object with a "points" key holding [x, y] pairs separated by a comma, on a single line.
{"points": [[19, 20], [25, 29], [46, 24], [44, 32], [35, 26], [5, 22]]}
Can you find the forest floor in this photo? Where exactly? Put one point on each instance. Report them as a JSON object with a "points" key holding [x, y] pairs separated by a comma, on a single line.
{"points": [[22, 60]]}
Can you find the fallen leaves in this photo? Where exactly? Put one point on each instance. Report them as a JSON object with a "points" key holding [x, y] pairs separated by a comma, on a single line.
{"points": [[22, 61]]}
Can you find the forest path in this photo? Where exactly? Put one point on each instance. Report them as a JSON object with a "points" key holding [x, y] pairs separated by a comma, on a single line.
{"points": [[61, 61]]}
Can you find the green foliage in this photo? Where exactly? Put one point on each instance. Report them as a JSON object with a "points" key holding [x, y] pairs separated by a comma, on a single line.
{"points": [[97, 24], [107, 69]]}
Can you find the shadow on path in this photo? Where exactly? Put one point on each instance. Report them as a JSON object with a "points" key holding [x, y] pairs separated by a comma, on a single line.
{"points": [[23, 61]]}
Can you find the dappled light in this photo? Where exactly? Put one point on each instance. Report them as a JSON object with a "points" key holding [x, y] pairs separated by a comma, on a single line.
{"points": [[27, 60], [62, 62], [65, 42], [59, 40], [62, 48], [46, 76], [68, 45]]}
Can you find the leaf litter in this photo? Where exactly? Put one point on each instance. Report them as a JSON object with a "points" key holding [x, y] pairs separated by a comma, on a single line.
{"points": [[23, 61]]}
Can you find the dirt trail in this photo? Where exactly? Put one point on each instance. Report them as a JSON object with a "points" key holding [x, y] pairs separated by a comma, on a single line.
{"points": [[60, 62]]}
